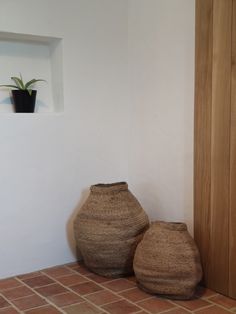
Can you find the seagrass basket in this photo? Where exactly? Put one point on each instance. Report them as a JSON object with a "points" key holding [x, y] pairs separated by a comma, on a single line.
{"points": [[167, 261], [108, 228]]}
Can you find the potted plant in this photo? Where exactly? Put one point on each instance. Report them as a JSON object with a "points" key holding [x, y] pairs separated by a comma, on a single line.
{"points": [[24, 96]]}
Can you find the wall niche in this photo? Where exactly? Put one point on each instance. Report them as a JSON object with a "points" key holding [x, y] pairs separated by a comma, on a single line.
{"points": [[33, 57]]}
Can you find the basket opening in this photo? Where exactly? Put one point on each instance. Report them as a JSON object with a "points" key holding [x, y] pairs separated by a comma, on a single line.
{"points": [[108, 185]]}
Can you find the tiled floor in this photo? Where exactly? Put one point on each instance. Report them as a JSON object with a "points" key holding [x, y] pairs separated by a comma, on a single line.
{"points": [[72, 289]]}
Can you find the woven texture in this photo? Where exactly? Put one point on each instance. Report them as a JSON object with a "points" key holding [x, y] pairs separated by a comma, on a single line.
{"points": [[108, 228], [167, 261]]}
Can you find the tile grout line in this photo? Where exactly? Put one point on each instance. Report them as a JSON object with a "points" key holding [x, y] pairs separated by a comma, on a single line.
{"points": [[117, 292], [104, 288], [30, 275], [166, 311], [208, 298], [178, 307], [8, 305], [136, 304], [188, 310], [56, 281], [12, 304], [3, 290], [82, 296], [220, 305], [44, 298], [211, 303], [207, 307], [86, 277]]}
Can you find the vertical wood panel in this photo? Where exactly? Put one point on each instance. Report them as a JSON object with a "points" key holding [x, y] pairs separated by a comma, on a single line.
{"points": [[212, 142], [232, 241], [203, 105], [220, 146]]}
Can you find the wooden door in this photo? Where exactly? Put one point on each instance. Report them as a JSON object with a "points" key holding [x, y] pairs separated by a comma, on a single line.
{"points": [[215, 143]]}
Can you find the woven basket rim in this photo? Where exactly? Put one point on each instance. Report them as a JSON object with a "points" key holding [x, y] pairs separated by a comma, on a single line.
{"points": [[109, 187], [174, 226]]}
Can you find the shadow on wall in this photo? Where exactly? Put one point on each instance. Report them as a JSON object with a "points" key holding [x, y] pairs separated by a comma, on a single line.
{"points": [[6, 101], [70, 223]]}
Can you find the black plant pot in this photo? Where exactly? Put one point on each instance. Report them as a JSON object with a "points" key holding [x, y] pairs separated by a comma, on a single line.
{"points": [[23, 101]]}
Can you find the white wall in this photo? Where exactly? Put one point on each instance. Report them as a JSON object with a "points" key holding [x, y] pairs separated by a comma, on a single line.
{"points": [[49, 160], [161, 66]]}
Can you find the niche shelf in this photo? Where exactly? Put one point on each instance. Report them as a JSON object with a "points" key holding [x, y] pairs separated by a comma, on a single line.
{"points": [[33, 57]]}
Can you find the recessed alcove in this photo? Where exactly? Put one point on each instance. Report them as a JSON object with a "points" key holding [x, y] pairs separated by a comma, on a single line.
{"points": [[33, 57]]}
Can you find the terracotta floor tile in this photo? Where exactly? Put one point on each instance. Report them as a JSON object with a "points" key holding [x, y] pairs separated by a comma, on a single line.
{"points": [[50, 290], [86, 287], [155, 305], [29, 302], [82, 270], [44, 310], [65, 299], [203, 292], [177, 311], [73, 265], [102, 297], [29, 275], [193, 305], [9, 310], [119, 285], [212, 310], [58, 271], [82, 308], [38, 281], [132, 278], [97, 278], [76, 269], [3, 302], [121, 307], [9, 283], [18, 292], [135, 295], [224, 301], [70, 280]]}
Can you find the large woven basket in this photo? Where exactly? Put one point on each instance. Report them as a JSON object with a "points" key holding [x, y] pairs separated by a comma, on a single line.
{"points": [[108, 228], [167, 261]]}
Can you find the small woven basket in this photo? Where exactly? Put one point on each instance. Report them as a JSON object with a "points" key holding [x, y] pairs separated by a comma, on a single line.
{"points": [[108, 228], [167, 261]]}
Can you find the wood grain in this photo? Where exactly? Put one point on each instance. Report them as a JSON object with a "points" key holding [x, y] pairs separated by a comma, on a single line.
{"points": [[220, 146], [212, 141], [232, 219], [203, 108]]}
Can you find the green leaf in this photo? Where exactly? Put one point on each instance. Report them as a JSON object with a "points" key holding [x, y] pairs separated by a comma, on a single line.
{"points": [[18, 82], [28, 84], [30, 91], [11, 86]]}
